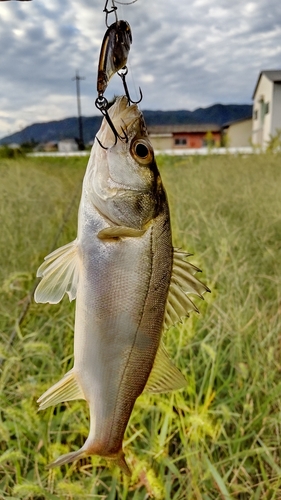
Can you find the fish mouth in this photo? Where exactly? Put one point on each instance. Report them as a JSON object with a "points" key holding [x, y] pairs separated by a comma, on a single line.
{"points": [[124, 117]]}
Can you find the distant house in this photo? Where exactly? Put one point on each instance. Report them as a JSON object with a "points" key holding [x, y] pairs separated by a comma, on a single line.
{"points": [[238, 133], [47, 147], [13, 145], [167, 137], [67, 146], [267, 107]]}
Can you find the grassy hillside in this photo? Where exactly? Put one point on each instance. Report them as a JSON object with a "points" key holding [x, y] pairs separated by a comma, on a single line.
{"points": [[219, 438]]}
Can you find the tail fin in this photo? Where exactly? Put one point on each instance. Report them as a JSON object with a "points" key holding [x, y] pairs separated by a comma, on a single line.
{"points": [[121, 462], [67, 458], [76, 455]]}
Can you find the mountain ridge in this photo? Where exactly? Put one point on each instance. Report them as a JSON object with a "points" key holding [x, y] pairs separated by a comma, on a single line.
{"points": [[56, 130]]}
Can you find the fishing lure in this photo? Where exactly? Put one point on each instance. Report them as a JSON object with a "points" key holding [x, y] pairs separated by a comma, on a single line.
{"points": [[114, 53]]}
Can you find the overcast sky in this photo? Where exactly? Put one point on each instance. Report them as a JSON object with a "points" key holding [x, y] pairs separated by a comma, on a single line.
{"points": [[185, 54]]}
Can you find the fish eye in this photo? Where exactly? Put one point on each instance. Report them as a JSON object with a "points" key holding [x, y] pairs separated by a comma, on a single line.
{"points": [[142, 151]]}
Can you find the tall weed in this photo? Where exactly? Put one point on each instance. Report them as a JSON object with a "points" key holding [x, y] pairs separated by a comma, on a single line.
{"points": [[219, 438]]}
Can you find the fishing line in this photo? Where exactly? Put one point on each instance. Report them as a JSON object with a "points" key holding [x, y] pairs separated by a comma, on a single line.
{"points": [[28, 299], [126, 3]]}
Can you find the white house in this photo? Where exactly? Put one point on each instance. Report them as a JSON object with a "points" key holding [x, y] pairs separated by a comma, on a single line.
{"points": [[238, 132], [67, 146], [266, 107]]}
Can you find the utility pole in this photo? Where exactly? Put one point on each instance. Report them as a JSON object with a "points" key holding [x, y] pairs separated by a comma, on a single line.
{"points": [[80, 125]]}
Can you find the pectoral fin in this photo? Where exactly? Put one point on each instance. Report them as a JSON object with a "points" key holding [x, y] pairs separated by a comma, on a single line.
{"points": [[120, 232], [183, 283], [164, 376], [67, 389], [59, 274]]}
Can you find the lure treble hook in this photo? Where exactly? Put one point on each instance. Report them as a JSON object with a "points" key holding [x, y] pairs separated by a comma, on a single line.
{"points": [[102, 104], [122, 75]]}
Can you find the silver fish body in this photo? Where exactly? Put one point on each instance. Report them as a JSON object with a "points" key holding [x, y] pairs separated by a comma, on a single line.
{"points": [[128, 282], [115, 347]]}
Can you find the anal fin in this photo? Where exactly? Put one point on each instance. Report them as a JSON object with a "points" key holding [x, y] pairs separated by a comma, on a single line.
{"points": [[164, 376], [67, 389]]}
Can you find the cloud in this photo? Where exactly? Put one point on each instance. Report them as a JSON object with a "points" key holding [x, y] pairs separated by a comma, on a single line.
{"points": [[184, 54]]}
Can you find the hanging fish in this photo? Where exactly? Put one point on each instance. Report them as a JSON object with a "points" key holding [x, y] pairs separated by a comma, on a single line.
{"points": [[129, 283], [114, 53]]}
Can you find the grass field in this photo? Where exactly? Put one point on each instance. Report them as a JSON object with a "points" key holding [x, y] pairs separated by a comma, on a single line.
{"points": [[218, 439]]}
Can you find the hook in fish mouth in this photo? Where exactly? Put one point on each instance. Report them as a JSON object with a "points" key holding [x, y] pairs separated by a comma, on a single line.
{"points": [[102, 104]]}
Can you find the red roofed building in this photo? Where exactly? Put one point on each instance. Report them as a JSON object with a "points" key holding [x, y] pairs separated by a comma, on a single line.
{"points": [[191, 136]]}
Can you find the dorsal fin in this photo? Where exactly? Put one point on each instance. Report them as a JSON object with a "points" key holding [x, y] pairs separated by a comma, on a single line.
{"points": [[59, 274], [183, 282]]}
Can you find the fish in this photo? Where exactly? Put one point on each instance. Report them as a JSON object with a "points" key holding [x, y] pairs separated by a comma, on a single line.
{"points": [[129, 283]]}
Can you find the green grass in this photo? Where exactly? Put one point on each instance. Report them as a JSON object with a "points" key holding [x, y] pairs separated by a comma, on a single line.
{"points": [[218, 439]]}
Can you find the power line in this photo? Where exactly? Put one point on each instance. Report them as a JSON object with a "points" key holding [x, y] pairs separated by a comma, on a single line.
{"points": [[77, 78]]}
